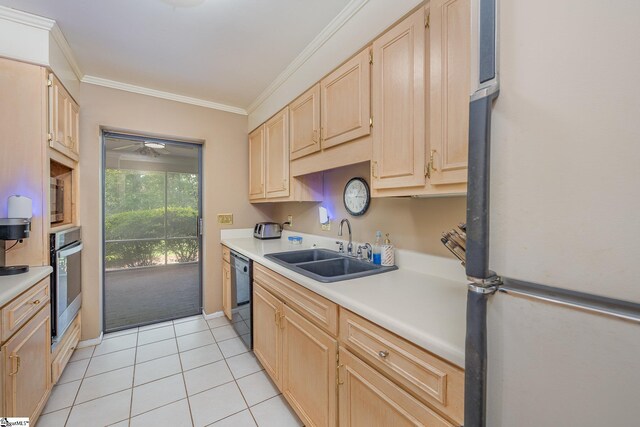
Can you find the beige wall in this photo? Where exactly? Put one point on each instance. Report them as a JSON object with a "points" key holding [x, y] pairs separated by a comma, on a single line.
{"points": [[414, 224], [225, 178]]}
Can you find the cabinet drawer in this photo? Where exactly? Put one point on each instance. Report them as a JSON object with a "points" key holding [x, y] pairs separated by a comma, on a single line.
{"points": [[429, 378], [368, 398], [65, 349], [226, 254], [20, 310], [317, 309]]}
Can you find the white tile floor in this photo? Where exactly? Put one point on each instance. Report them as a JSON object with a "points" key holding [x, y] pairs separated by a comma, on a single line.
{"points": [[189, 372]]}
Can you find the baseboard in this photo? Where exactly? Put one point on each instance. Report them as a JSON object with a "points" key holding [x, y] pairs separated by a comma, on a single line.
{"points": [[91, 342], [212, 315]]}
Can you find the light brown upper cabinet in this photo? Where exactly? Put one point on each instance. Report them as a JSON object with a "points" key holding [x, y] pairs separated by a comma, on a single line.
{"points": [[399, 105], [277, 155], [449, 90], [256, 164], [345, 101], [304, 115], [64, 114]]}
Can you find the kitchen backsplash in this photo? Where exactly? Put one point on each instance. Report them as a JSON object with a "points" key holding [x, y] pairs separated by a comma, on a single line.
{"points": [[412, 224]]}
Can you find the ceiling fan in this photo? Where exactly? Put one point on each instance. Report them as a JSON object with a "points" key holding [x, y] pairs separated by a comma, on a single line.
{"points": [[146, 148]]}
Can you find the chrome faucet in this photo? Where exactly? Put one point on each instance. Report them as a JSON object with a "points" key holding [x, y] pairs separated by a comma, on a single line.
{"points": [[369, 249], [350, 245]]}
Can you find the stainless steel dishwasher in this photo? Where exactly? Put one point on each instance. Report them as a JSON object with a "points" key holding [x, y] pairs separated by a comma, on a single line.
{"points": [[241, 290]]}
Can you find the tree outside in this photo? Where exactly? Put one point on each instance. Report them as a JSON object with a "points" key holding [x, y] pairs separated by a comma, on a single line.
{"points": [[144, 229]]}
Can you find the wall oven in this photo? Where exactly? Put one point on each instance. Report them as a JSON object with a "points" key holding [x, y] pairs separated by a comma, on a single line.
{"points": [[56, 200], [66, 281]]}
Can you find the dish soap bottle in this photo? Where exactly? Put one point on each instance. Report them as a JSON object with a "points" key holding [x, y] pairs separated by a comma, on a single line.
{"points": [[388, 255], [377, 249]]}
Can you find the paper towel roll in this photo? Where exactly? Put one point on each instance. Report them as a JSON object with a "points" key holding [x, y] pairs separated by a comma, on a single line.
{"points": [[19, 207]]}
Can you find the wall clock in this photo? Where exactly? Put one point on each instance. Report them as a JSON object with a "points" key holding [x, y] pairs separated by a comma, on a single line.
{"points": [[356, 196]]}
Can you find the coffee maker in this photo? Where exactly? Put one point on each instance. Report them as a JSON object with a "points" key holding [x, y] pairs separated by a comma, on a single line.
{"points": [[12, 229]]}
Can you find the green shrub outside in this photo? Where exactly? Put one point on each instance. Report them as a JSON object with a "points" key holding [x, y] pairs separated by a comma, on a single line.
{"points": [[147, 224]]}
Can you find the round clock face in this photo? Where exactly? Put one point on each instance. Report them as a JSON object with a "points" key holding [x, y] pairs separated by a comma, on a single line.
{"points": [[356, 196]]}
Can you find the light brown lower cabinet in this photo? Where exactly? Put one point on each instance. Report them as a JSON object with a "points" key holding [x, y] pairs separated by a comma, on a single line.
{"points": [[26, 360], [65, 348], [367, 398], [267, 337], [328, 385], [309, 370], [226, 290]]}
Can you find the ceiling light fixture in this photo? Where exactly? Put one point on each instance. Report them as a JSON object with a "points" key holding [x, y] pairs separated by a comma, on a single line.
{"points": [[154, 144]]}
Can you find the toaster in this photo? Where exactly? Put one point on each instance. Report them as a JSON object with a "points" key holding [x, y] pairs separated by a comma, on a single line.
{"points": [[267, 230]]}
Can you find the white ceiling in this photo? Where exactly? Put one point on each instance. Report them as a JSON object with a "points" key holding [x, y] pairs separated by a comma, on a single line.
{"points": [[224, 51]]}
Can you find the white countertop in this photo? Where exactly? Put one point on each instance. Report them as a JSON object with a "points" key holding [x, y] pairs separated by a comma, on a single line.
{"points": [[427, 310], [12, 286]]}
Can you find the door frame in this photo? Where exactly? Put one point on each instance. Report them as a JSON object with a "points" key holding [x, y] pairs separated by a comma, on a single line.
{"points": [[104, 133]]}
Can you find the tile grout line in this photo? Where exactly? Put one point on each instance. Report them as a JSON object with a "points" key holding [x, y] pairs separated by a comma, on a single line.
{"points": [[184, 381], [235, 380], [133, 378]]}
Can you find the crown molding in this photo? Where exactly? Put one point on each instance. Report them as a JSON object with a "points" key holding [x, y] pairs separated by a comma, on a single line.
{"points": [[46, 24], [25, 18], [336, 23], [59, 38], [99, 81]]}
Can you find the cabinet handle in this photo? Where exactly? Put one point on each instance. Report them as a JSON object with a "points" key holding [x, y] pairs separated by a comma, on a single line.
{"points": [[17, 364], [277, 317], [314, 138], [36, 302], [383, 353], [281, 324], [284, 184], [431, 162], [374, 167], [338, 381]]}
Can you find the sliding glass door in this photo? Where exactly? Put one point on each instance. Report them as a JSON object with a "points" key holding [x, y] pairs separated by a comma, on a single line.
{"points": [[152, 243]]}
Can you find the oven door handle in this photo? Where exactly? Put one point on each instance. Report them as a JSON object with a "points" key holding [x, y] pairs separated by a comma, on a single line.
{"points": [[77, 247]]}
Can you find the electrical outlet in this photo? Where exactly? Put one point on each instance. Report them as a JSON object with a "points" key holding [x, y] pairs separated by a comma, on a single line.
{"points": [[326, 227], [290, 220], [225, 218]]}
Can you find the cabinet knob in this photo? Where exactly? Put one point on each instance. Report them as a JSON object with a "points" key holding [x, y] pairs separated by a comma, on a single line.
{"points": [[36, 302], [383, 353]]}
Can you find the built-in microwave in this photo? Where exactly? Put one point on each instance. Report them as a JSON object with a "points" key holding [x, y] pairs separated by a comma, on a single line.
{"points": [[56, 200]]}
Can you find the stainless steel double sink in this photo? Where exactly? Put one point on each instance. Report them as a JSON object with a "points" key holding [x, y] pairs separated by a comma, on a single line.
{"points": [[325, 265]]}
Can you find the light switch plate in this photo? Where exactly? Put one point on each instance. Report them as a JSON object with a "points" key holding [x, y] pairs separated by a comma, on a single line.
{"points": [[290, 220], [226, 218], [326, 227]]}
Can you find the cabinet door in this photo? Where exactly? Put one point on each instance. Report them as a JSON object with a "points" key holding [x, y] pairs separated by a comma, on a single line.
{"points": [[60, 112], [345, 101], [449, 83], [399, 105], [367, 398], [267, 335], [309, 370], [277, 155], [304, 115], [256, 164], [73, 134], [27, 367], [226, 290]]}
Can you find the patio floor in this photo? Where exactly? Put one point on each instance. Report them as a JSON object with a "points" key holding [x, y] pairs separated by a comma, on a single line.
{"points": [[140, 296]]}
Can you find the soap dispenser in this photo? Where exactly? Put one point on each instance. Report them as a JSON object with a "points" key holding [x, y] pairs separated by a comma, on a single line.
{"points": [[388, 255], [377, 249]]}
